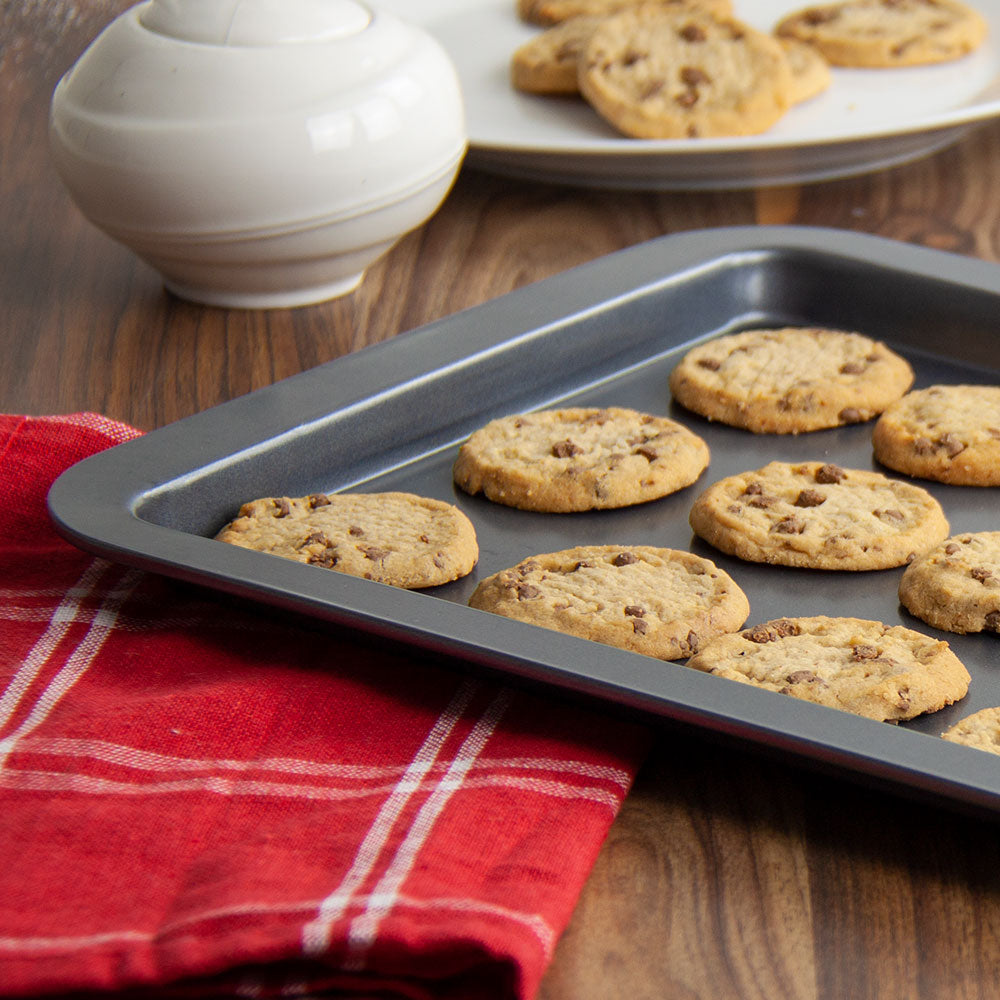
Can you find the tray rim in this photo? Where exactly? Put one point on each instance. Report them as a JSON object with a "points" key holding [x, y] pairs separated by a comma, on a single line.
{"points": [[95, 504]]}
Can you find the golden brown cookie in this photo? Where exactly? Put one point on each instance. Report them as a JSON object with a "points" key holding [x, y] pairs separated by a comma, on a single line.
{"points": [[818, 515], [396, 538], [657, 73], [790, 380], [864, 667], [810, 71], [547, 63], [888, 33], [659, 602], [579, 458], [949, 433], [549, 12], [981, 730], [955, 586]]}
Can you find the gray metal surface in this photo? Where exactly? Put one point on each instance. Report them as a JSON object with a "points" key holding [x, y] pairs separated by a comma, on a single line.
{"points": [[609, 332]]}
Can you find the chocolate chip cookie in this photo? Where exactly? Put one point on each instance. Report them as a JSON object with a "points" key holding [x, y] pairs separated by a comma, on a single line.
{"points": [[790, 380], [579, 458], [818, 515], [981, 730], [657, 73], [949, 433], [888, 33], [549, 12], [864, 667], [660, 602], [956, 585], [396, 538]]}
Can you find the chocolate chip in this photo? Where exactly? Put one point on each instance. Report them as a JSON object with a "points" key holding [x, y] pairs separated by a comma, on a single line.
{"points": [[951, 444], [692, 76], [649, 453], [983, 574], [771, 631], [753, 489], [801, 677], [566, 449], [635, 611], [527, 592], [809, 498], [639, 627], [692, 33], [762, 502], [951, 548], [829, 474], [373, 552], [582, 564], [921, 446], [790, 526], [651, 89], [439, 560], [356, 531], [993, 621], [283, 508], [864, 652], [710, 363], [851, 415], [852, 368], [624, 559], [318, 500], [889, 515], [314, 538], [327, 559]]}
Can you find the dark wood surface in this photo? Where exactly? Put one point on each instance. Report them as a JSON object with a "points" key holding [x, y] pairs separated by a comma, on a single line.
{"points": [[727, 876]]}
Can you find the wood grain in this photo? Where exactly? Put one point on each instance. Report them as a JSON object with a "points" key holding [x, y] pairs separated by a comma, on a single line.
{"points": [[728, 875]]}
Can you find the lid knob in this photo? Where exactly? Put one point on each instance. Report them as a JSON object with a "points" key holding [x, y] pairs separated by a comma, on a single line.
{"points": [[255, 23]]}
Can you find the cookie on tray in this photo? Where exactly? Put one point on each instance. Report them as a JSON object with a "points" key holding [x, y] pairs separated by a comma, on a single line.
{"points": [[546, 64], [660, 602], [864, 667], [981, 730], [396, 538], [657, 73], [820, 516], [579, 458], [949, 433], [790, 380], [956, 585], [887, 33], [549, 12]]}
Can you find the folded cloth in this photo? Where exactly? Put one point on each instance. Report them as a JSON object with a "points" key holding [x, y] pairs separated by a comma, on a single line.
{"points": [[199, 799]]}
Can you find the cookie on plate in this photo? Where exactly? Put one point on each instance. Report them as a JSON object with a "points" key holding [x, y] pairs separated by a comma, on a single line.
{"points": [[657, 73], [955, 586], [396, 538], [820, 516], [981, 730], [546, 64], [949, 433], [864, 667], [790, 380], [810, 71], [660, 602], [579, 458], [888, 33], [549, 12]]}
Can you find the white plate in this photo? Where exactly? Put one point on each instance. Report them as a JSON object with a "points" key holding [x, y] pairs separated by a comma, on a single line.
{"points": [[868, 119]]}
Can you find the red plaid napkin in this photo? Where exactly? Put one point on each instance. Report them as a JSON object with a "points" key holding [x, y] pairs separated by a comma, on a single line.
{"points": [[197, 800]]}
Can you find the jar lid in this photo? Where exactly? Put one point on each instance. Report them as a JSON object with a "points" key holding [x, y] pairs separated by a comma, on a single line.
{"points": [[255, 23]]}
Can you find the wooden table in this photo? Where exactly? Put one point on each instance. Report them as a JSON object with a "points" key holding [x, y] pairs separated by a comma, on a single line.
{"points": [[726, 875]]}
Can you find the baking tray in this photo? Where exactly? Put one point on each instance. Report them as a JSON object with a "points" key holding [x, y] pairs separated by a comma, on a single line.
{"points": [[390, 417]]}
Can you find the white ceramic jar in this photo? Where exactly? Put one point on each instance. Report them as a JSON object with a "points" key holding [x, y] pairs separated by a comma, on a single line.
{"points": [[259, 153]]}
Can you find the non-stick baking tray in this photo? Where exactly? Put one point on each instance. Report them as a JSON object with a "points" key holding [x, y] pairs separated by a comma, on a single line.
{"points": [[608, 332]]}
